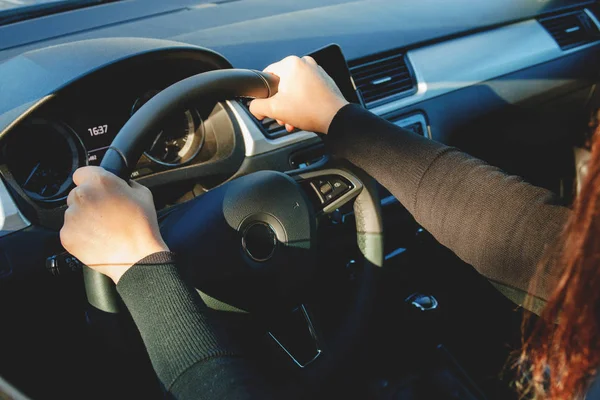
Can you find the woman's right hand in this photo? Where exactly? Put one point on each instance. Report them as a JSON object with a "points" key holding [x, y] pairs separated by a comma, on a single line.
{"points": [[307, 97]]}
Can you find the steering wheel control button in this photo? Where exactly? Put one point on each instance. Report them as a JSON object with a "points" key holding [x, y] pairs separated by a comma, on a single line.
{"points": [[62, 264], [330, 188], [326, 188], [259, 241], [339, 185]]}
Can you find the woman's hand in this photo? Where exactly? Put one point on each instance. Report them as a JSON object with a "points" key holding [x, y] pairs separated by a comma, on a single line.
{"points": [[307, 97], [110, 224]]}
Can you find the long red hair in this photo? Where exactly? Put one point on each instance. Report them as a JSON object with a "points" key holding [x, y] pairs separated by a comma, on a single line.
{"points": [[561, 354]]}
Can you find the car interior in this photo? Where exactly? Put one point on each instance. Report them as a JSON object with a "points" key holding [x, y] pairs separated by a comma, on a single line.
{"points": [[358, 301]]}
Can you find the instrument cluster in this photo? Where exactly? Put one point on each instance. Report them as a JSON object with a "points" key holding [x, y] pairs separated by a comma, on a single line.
{"points": [[44, 151]]}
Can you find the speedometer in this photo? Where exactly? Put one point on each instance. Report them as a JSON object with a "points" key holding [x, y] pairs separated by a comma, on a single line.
{"points": [[180, 137], [42, 156]]}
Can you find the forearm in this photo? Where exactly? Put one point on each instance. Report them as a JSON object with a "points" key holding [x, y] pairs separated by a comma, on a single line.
{"points": [[169, 317], [191, 357], [395, 157], [495, 222]]}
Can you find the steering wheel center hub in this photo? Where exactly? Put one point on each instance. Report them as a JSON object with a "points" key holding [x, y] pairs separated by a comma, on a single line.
{"points": [[259, 241], [247, 242]]}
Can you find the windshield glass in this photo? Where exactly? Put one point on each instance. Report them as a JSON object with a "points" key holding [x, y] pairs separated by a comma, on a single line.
{"points": [[12, 4], [18, 10]]}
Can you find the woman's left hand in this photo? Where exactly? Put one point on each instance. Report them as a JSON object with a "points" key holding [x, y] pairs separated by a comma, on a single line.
{"points": [[110, 224]]}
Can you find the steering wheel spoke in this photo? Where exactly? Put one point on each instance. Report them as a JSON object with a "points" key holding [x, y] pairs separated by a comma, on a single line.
{"points": [[296, 334], [329, 189]]}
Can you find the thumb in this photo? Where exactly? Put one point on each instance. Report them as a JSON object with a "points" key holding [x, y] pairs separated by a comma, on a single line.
{"points": [[261, 108]]}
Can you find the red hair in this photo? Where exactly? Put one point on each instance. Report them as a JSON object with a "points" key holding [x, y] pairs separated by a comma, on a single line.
{"points": [[561, 355]]}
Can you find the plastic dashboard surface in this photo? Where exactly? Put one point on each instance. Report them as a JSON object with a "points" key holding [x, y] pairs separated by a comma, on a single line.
{"points": [[255, 33]]}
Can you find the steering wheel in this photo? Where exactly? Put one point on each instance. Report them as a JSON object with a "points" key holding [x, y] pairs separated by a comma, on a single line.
{"points": [[250, 243]]}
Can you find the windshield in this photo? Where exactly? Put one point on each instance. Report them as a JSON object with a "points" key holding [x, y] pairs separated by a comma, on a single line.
{"points": [[8, 4], [18, 10]]}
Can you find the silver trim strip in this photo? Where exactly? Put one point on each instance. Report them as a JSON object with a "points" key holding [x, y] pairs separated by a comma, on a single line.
{"points": [[455, 64], [346, 197], [255, 141], [313, 334], [411, 119], [11, 219], [592, 17]]}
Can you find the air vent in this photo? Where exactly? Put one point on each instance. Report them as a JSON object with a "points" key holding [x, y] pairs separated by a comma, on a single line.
{"points": [[382, 78], [272, 129], [269, 126], [571, 30]]}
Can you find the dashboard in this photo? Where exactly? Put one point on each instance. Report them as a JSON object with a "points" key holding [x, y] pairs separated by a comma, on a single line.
{"points": [[70, 82]]}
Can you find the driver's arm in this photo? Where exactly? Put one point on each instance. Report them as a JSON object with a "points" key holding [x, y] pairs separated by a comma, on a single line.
{"points": [[495, 222], [111, 226], [190, 352]]}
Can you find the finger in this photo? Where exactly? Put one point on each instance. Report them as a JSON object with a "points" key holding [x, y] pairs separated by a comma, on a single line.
{"points": [[142, 190], [72, 197], [280, 67], [289, 128], [135, 185], [260, 108], [64, 235], [309, 60], [85, 174], [280, 122], [271, 67], [87, 194], [70, 213]]}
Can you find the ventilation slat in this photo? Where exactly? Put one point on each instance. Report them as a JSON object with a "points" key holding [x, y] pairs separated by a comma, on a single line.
{"points": [[382, 78], [407, 83], [571, 30], [383, 72], [269, 126], [394, 72], [377, 67]]}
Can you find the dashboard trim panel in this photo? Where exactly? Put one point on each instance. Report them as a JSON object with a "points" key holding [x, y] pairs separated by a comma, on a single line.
{"points": [[446, 67], [255, 140], [449, 66], [439, 69]]}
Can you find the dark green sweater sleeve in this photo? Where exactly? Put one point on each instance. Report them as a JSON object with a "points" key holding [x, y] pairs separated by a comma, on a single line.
{"points": [[192, 358], [498, 223]]}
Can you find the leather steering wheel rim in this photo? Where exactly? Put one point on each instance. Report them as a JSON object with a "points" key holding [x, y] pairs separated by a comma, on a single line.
{"points": [[135, 137]]}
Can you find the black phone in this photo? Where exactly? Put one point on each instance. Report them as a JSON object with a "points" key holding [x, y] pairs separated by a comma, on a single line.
{"points": [[332, 60]]}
